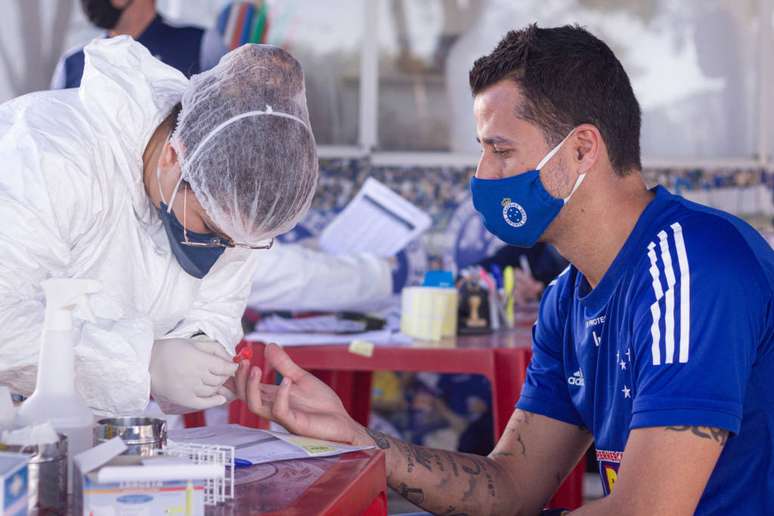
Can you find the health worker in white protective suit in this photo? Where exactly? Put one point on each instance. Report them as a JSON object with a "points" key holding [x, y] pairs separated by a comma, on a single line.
{"points": [[163, 189]]}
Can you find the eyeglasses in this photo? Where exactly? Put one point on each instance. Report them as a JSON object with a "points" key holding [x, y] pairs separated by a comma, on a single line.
{"points": [[216, 241]]}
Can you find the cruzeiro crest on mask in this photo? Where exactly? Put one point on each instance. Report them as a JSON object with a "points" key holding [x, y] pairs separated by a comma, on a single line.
{"points": [[513, 213]]}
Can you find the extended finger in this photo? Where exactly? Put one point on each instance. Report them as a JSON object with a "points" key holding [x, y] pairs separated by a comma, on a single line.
{"points": [[253, 393], [241, 379], [281, 409], [279, 360]]}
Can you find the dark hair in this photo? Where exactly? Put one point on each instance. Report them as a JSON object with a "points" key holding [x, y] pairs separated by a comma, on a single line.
{"points": [[568, 77]]}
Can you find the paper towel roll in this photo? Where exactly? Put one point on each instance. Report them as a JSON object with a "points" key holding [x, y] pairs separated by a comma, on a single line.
{"points": [[429, 313]]}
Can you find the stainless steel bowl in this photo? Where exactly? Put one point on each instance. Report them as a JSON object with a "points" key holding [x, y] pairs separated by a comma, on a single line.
{"points": [[142, 435]]}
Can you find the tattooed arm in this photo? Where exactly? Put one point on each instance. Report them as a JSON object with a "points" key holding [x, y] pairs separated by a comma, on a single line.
{"points": [[520, 475], [533, 456], [664, 471]]}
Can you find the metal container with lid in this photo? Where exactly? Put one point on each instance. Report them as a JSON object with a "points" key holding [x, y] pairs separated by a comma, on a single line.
{"points": [[47, 474], [142, 435]]}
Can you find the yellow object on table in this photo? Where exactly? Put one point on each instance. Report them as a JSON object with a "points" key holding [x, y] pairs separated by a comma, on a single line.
{"points": [[429, 313], [362, 348]]}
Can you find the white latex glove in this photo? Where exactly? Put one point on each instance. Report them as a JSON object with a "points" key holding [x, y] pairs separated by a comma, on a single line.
{"points": [[188, 374]]}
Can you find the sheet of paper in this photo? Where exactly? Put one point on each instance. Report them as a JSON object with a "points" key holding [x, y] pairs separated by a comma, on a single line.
{"points": [[323, 339], [377, 221], [261, 446]]}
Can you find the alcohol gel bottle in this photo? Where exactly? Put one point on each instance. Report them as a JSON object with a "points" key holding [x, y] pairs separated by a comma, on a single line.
{"points": [[55, 399]]}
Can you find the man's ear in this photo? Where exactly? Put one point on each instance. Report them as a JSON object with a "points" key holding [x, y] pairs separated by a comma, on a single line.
{"points": [[588, 146]]}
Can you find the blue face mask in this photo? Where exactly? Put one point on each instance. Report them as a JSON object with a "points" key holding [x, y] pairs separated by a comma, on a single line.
{"points": [[196, 261], [518, 209]]}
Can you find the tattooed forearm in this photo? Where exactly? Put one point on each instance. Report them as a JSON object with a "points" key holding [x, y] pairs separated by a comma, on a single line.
{"points": [[379, 438], [439, 462], [479, 465], [416, 455], [445, 482], [405, 449], [705, 432], [423, 456], [467, 495], [453, 463], [490, 483], [412, 494], [475, 469]]}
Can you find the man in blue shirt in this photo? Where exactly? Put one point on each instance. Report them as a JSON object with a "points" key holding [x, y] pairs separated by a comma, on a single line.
{"points": [[657, 343], [179, 47]]}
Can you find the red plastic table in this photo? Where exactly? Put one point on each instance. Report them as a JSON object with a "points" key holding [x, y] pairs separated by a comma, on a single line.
{"points": [[501, 357], [351, 484]]}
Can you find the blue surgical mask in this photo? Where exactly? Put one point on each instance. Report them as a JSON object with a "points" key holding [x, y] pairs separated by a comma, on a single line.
{"points": [[196, 261], [518, 209]]}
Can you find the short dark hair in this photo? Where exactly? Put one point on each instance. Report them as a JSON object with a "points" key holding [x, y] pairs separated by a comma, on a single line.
{"points": [[568, 77]]}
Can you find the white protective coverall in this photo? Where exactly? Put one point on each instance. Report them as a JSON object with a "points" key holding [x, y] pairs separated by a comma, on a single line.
{"points": [[292, 277], [73, 204]]}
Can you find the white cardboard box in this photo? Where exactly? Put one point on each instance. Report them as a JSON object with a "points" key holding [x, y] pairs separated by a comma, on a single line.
{"points": [[108, 483], [14, 484]]}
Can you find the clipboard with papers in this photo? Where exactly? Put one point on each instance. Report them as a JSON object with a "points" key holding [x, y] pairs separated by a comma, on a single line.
{"points": [[377, 221]]}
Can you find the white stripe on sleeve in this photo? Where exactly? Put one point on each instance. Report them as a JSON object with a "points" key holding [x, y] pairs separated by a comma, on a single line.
{"points": [[685, 292], [669, 309], [655, 310]]}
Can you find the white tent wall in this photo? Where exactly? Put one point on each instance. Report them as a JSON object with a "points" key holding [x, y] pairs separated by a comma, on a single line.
{"points": [[700, 68]]}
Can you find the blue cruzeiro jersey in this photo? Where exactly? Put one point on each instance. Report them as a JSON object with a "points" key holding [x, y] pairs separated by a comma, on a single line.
{"points": [[679, 332]]}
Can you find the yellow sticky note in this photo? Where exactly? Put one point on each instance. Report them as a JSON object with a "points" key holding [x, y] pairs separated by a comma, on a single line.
{"points": [[311, 446], [362, 348]]}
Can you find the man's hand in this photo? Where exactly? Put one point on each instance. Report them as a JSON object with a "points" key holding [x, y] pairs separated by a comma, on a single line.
{"points": [[188, 374], [527, 466], [301, 403]]}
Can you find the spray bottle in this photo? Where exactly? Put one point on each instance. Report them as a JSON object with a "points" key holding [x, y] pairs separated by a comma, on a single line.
{"points": [[55, 399]]}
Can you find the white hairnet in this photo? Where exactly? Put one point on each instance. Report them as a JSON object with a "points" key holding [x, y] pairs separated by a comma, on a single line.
{"points": [[245, 144]]}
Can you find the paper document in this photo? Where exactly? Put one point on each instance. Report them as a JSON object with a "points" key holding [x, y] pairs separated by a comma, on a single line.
{"points": [[377, 221], [261, 446], [322, 339]]}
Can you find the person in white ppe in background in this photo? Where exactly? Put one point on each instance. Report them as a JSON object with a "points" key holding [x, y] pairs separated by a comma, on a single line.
{"points": [[164, 190], [292, 277]]}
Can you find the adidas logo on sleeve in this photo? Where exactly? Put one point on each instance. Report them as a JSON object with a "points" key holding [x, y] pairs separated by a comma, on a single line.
{"points": [[576, 379]]}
